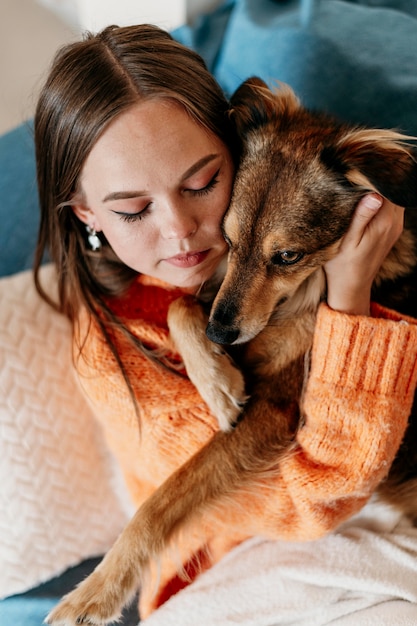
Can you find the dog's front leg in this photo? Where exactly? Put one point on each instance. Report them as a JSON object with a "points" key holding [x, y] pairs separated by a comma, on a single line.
{"points": [[209, 367]]}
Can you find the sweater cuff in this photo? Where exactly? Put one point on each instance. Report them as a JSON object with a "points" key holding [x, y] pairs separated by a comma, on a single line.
{"points": [[377, 354]]}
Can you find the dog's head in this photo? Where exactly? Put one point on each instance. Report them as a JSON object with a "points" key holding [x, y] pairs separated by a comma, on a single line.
{"points": [[300, 178]]}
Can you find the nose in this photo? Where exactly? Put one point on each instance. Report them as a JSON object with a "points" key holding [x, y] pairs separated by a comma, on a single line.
{"points": [[222, 327], [220, 334], [178, 222]]}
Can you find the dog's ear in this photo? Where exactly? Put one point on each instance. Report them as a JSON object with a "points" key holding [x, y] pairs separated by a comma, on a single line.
{"points": [[254, 104], [379, 160]]}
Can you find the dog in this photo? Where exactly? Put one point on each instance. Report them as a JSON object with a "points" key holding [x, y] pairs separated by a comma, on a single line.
{"points": [[300, 178]]}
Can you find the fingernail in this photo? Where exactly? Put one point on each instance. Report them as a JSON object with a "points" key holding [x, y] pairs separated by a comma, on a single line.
{"points": [[373, 202]]}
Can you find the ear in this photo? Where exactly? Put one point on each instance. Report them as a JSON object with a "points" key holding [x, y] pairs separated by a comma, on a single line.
{"points": [[86, 215], [254, 105], [379, 160]]}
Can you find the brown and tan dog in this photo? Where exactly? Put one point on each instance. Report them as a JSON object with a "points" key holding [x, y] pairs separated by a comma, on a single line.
{"points": [[300, 178]]}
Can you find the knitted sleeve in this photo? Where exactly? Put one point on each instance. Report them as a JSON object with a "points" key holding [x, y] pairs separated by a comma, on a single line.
{"points": [[357, 403]]}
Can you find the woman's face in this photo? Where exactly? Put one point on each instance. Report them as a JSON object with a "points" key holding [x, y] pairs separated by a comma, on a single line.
{"points": [[157, 185]]}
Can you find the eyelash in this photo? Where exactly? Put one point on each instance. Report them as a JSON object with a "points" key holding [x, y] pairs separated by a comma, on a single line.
{"points": [[209, 187], [133, 217]]}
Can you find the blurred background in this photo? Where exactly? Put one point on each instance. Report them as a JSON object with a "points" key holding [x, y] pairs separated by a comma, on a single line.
{"points": [[32, 30]]}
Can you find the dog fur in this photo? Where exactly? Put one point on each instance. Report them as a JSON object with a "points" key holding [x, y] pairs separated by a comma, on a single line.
{"points": [[300, 178]]}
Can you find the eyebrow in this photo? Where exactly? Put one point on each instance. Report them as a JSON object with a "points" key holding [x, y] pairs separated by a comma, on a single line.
{"points": [[198, 166], [125, 195]]}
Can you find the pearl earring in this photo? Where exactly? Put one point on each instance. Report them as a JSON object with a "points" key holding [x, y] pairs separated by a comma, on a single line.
{"points": [[93, 238]]}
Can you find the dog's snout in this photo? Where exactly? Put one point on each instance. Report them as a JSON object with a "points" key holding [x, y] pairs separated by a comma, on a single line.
{"points": [[220, 334], [221, 327], [224, 313]]}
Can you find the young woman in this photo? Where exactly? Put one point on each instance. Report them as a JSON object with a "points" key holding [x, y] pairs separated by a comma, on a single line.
{"points": [[135, 161]]}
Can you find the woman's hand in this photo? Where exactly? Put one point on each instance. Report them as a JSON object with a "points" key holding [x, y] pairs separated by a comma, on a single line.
{"points": [[376, 226]]}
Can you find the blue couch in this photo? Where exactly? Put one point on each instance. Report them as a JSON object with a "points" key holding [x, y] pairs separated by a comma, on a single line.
{"points": [[354, 59]]}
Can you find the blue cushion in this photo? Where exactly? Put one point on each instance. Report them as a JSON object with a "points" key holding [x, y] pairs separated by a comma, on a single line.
{"points": [[356, 59], [19, 212]]}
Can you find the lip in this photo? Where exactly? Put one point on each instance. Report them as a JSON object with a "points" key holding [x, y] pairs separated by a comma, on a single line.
{"points": [[188, 259]]}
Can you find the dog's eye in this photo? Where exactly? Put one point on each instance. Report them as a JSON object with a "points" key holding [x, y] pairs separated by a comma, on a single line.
{"points": [[286, 257]]}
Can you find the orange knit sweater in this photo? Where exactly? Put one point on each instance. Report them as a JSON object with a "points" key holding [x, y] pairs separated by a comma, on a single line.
{"points": [[357, 402]]}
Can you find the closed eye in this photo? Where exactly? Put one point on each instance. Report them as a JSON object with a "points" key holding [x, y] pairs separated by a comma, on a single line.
{"points": [[133, 217], [207, 188], [286, 257]]}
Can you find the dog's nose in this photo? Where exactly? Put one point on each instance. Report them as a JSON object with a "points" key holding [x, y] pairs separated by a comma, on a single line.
{"points": [[221, 334]]}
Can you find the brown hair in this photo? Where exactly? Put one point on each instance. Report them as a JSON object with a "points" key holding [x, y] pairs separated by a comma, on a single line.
{"points": [[90, 83]]}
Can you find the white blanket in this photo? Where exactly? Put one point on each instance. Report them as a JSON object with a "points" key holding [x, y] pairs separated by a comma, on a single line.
{"points": [[364, 574]]}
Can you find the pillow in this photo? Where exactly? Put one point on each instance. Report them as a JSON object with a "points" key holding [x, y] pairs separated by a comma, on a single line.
{"points": [[61, 499], [19, 210], [353, 58]]}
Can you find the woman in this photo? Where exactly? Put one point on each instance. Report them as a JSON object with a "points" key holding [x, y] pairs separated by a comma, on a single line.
{"points": [[135, 160]]}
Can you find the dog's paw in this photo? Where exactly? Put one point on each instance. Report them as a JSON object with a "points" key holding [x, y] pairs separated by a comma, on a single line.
{"points": [[223, 389], [209, 367], [90, 603]]}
